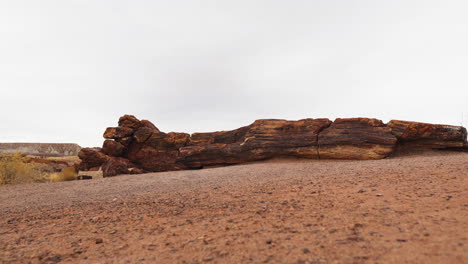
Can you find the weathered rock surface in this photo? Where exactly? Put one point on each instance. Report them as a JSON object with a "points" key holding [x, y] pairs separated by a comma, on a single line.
{"points": [[113, 148], [115, 166], [261, 140], [138, 146], [91, 158], [428, 135], [356, 138], [117, 132]]}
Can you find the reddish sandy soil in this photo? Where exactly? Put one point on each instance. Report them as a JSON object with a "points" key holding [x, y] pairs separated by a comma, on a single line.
{"points": [[406, 209]]}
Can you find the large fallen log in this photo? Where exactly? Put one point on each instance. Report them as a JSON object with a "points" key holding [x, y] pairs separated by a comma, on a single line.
{"points": [[138, 146]]}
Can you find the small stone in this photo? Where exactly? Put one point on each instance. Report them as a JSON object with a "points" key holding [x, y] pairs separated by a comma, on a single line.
{"points": [[306, 250], [99, 240], [269, 241], [362, 191], [379, 194]]}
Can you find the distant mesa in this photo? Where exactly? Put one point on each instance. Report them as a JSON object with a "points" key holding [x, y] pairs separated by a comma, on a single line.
{"points": [[41, 149], [137, 146]]}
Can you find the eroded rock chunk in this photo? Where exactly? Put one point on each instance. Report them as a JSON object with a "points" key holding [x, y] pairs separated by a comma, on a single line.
{"points": [[117, 132], [129, 121], [148, 124], [115, 166], [143, 133], [113, 148], [91, 158]]}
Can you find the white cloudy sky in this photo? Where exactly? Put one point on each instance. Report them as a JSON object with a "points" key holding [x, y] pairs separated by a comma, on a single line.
{"points": [[70, 68]]}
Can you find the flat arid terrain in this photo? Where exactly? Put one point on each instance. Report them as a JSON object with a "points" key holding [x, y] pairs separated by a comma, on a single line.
{"points": [[405, 209]]}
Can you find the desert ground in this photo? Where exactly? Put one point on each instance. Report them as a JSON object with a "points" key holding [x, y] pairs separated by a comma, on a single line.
{"points": [[410, 208]]}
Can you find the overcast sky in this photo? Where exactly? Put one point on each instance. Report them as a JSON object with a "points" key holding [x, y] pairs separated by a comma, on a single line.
{"points": [[70, 68]]}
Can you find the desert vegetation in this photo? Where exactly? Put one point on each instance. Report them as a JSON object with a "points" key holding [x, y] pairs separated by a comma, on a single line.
{"points": [[17, 169]]}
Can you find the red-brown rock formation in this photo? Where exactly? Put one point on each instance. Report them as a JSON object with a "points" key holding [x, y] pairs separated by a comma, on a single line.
{"points": [[138, 146]]}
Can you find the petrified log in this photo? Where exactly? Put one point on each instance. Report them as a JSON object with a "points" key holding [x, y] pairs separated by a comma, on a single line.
{"points": [[356, 138], [423, 135], [138, 146], [263, 139]]}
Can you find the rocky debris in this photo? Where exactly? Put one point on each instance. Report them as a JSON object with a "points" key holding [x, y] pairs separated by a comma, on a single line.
{"points": [[425, 135], [139, 146], [356, 138]]}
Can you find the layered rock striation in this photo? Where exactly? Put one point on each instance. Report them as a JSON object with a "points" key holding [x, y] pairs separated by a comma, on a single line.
{"points": [[138, 146]]}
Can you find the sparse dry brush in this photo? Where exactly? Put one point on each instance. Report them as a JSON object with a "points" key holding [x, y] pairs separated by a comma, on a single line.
{"points": [[16, 169]]}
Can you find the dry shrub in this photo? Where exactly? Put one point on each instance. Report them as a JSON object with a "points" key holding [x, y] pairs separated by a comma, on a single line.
{"points": [[15, 169], [67, 174]]}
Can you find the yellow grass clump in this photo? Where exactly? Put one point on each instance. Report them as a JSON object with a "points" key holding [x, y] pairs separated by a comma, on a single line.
{"points": [[67, 174], [14, 169]]}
